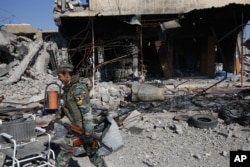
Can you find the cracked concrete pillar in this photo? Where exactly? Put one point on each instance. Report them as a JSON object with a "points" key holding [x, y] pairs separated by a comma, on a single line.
{"points": [[63, 5], [135, 61], [42, 61]]}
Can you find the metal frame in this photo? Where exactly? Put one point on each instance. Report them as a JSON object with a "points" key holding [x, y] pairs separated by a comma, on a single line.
{"points": [[14, 145]]}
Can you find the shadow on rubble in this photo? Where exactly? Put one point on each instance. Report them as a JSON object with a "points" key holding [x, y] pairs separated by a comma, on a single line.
{"points": [[72, 162], [232, 106], [235, 112]]}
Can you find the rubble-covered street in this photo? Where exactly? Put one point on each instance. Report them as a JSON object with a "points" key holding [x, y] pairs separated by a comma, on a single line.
{"points": [[152, 116], [158, 134], [159, 141]]}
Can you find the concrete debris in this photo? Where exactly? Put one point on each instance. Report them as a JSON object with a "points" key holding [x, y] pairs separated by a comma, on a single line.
{"points": [[146, 92], [132, 119], [25, 92], [224, 153], [152, 113], [178, 129], [246, 65], [29, 54], [16, 73], [148, 109], [150, 134], [107, 95]]}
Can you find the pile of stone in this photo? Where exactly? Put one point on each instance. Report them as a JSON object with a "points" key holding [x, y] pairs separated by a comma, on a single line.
{"points": [[108, 95], [246, 66], [27, 92]]}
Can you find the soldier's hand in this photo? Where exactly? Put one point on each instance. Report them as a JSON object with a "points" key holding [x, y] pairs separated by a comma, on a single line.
{"points": [[87, 140]]}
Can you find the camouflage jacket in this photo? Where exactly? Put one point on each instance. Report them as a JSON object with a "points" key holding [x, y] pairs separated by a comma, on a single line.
{"points": [[77, 104]]}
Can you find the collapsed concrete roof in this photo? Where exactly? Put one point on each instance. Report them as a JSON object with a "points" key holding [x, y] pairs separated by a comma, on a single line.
{"points": [[140, 7], [72, 18]]}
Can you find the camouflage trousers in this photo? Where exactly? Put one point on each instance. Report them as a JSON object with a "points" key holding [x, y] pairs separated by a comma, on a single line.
{"points": [[67, 152]]}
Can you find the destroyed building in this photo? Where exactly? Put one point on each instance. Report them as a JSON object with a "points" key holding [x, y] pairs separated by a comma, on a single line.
{"points": [[110, 41], [159, 38], [120, 42], [23, 48], [127, 40]]}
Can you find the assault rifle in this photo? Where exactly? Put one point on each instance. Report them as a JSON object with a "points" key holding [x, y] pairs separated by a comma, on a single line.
{"points": [[77, 131]]}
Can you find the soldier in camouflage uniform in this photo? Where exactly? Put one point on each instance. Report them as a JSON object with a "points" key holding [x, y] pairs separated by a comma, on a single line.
{"points": [[78, 110]]}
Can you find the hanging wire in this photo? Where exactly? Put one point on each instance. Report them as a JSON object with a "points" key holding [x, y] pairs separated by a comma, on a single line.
{"points": [[85, 29]]}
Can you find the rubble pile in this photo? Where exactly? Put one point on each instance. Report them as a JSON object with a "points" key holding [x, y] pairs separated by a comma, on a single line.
{"points": [[26, 93], [158, 140], [151, 134], [152, 116], [246, 65], [21, 55], [110, 96], [26, 65]]}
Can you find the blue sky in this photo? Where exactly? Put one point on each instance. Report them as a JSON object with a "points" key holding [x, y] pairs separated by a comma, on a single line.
{"points": [[247, 30], [38, 13]]}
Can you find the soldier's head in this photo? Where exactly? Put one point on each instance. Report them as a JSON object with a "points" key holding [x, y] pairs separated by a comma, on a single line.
{"points": [[65, 72]]}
